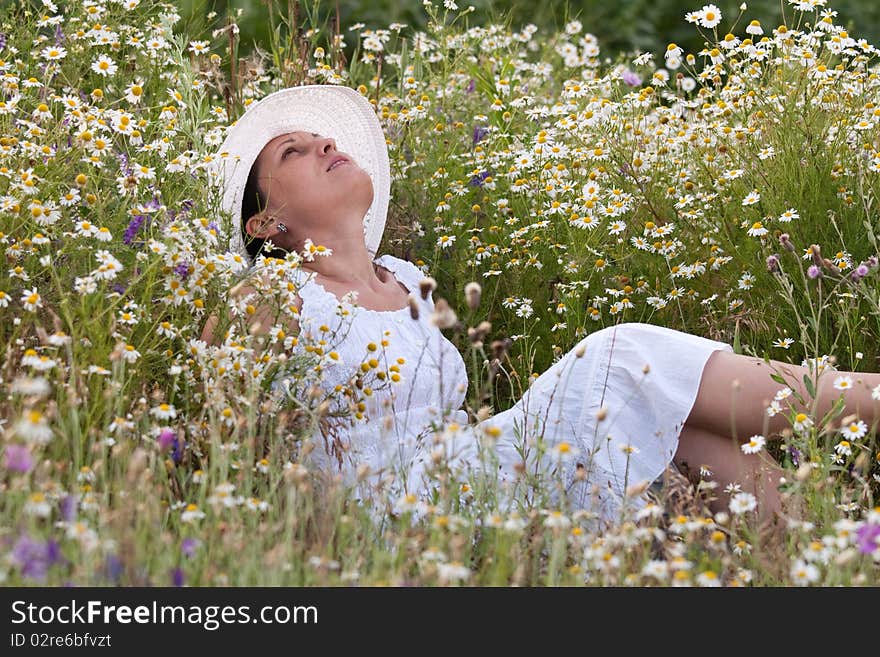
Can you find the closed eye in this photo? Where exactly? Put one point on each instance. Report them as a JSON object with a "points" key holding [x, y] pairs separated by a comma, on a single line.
{"points": [[287, 151]]}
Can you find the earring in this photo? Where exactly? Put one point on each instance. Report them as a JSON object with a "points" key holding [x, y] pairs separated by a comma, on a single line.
{"points": [[282, 228]]}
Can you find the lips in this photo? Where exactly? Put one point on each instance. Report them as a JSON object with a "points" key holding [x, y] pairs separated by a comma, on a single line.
{"points": [[337, 160]]}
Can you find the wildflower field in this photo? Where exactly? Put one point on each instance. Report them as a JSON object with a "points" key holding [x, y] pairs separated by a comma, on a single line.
{"points": [[730, 192]]}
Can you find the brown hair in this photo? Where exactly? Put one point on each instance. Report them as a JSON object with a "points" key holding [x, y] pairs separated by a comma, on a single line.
{"points": [[252, 202]]}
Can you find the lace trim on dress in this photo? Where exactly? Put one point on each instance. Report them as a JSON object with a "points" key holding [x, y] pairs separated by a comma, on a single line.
{"points": [[317, 301]]}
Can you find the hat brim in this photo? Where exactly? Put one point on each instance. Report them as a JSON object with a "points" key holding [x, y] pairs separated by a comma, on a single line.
{"points": [[328, 110]]}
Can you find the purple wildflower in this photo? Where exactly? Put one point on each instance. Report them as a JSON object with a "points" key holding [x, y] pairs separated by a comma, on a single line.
{"points": [[113, 568], [18, 458], [2, 40], [186, 205], [35, 557], [123, 164], [177, 577], [59, 35], [153, 204], [68, 507], [53, 551], [869, 538], [182, 270], [166, 439], [813, 271], [795, 456], [872, 262], [119, 288], [133, 227], [479, 179], [479, 133], [773, 263], [212, 225], [189, 546], [471, 86], [632, 79], [859, 273], [177, 450]]}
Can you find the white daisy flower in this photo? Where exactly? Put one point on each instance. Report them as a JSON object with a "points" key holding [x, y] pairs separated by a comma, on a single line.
{"points": [[164, 412], [803, 573], [709, 578], [751, 198], [742, 503], [104, 66], [564, 450], [656, 568], [774, 409], [33, 427], [53, 53], [843, 383], [843, 448], [854, 430], [31, 300], [756, 444], [191, 513], [709, 16], [757, 229], [802, 422]]}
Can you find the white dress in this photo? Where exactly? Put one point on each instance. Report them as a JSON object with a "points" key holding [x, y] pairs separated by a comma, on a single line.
{"points": [[644, 378]]}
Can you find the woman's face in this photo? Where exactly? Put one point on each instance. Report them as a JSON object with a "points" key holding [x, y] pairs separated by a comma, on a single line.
{"points": [[311, 186]]}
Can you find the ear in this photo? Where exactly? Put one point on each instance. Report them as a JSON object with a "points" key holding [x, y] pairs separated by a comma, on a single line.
{"points": [[261, 225]]}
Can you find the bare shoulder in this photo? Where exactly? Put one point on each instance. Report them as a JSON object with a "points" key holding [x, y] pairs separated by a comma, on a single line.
{"points": [[257, 302]]}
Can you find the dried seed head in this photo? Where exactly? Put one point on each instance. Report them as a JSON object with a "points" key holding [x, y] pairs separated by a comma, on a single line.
{"points": [[500, 347], [427, 286], [444, 317], [634, 490], [413, 308], [136, 465], [472, 294], [803, 472], [363, 471], [601, 414]]}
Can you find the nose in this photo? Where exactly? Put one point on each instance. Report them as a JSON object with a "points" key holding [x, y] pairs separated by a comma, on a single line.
{"points": [[327, 144]]}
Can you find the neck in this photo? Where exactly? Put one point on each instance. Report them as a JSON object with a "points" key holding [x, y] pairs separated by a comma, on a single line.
{"points": [[349, 262]]}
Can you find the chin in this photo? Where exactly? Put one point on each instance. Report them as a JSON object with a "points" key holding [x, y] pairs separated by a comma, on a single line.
{"points": [[365, 189]]}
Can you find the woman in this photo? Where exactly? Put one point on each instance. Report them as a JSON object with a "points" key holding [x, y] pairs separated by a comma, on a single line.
{"points": [[607, 417]]}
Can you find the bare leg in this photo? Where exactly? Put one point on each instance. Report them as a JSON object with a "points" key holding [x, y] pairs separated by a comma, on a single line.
{"points": [[755, 473], [735, 391]]}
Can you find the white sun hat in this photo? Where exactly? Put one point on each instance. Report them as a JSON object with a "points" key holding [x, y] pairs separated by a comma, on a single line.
{"points": [[328, 110]]}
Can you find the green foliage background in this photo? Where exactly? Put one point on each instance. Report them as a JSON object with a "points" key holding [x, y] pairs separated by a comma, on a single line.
{"points": [[644, 25]]}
